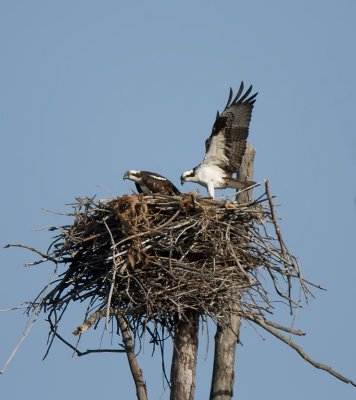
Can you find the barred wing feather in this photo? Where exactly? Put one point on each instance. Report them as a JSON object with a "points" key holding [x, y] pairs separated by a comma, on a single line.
{"points": [[227, 143]]}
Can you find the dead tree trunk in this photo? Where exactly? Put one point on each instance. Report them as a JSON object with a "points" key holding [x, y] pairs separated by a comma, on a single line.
{"points": [[226, 339], [184, 358], [228, 331]]}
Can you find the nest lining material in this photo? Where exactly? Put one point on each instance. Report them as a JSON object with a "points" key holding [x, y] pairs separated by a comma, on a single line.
{"points": [[152, 258]]}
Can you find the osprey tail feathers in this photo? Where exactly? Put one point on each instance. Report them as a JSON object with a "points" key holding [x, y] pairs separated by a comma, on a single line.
{"points": [[236, 184]]}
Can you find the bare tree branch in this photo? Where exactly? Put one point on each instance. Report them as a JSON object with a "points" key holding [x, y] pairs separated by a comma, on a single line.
{"points": [[300, 351], [136, 371], [45, 257], [78, 352], [93, 319], [31, 321]]}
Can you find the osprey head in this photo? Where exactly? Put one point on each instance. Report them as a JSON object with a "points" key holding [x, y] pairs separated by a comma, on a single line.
{"points": [[187, 176], [132, 175]]}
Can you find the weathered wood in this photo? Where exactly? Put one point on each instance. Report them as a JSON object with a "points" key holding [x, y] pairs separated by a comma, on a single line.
{"points": [[226, 339], [246, 173], [228, 331], [184, 359]]}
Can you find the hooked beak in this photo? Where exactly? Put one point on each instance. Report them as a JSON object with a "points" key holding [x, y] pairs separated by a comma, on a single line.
{"points": [[126, 176]]}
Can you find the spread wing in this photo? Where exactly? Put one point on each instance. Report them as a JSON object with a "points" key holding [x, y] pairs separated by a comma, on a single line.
{"points": [[227, 143]]}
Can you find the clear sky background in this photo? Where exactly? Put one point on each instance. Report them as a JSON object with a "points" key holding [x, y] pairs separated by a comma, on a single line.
{"points": [[91, 89]]}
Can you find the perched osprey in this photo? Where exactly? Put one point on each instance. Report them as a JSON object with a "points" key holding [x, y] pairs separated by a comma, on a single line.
{"points": [[226, 146], [151, 183]]}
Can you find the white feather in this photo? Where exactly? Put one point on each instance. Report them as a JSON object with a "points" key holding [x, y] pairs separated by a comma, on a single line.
{"points": [[210, 176]]}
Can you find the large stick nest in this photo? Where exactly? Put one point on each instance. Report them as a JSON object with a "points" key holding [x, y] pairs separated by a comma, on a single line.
{"points": [[153, 258], [156, 259]]}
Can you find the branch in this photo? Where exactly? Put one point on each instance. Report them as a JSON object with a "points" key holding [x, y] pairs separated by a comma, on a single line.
{"points": [[301, 352], [136, 371], [295, 332], [284, 250], [274, 220], [31, 321], [93, 318], [44, 256], [78, 352]]}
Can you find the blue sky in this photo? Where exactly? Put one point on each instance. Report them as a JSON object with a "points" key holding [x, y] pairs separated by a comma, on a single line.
{"points": [[89, 90]]}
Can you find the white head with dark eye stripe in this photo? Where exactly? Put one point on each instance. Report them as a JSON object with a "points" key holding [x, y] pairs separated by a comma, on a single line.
{"points": [[187, 176], [133, 175]]}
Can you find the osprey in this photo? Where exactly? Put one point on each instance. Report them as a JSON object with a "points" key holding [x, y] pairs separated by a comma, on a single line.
{"points": [[151, 182], [226, 146]]}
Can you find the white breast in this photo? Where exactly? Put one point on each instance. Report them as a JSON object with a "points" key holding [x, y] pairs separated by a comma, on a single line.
{"points": [[210, 175]]}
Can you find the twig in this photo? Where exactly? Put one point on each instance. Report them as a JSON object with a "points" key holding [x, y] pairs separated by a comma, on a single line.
{"points": [[137, 235], [93, 319], [82, 353], [23, 307], [254, 318], [114, 271], [283, 248], [45, 256], [31, 321], [302, 353]]}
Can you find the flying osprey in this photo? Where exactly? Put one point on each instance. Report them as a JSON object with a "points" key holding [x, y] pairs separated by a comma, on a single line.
{"points": [[226, 146], [151, 182]]}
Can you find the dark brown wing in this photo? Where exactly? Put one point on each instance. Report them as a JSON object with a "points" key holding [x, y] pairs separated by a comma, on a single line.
{"points": [[227, 143], [138, 188], [158, 184]]}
